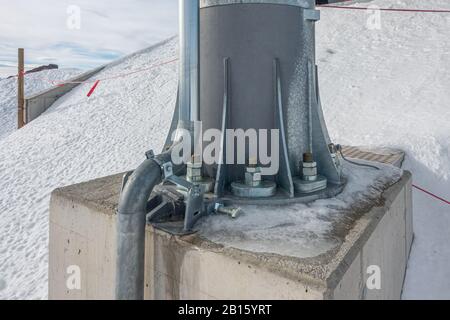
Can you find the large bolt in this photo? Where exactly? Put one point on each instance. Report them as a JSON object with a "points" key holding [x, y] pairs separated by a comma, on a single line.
{"points": [[309, 167], [233, 212]]}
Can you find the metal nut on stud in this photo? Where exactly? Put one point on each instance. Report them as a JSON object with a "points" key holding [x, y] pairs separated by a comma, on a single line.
{"points": [[253, 176], [194, 171], [253, 179], [309, 171], [309, 164], [252, 169], [309, 168]]}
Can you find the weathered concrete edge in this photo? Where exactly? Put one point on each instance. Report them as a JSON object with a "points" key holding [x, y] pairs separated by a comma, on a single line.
{"points": [[322, 272], [361, 232], [106, 205]]}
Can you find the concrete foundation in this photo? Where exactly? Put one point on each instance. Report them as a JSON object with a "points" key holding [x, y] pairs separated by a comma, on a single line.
{"points": [[83, 238]]}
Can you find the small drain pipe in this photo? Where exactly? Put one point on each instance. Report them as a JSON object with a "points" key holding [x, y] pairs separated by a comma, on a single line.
{"points": [[131, 227]]}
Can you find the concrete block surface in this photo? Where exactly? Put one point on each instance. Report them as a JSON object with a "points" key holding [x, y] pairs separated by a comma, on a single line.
{"points": [[83, 233]]}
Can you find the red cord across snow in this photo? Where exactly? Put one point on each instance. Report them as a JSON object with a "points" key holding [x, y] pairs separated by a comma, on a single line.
{"points": [[431, 194]]}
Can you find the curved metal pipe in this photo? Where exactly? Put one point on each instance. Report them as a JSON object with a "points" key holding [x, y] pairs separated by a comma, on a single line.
{"points": [[131, 222], [131, 230]]}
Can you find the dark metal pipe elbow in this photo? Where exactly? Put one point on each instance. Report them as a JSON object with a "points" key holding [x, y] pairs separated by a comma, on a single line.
{"points": [[131, 222]]}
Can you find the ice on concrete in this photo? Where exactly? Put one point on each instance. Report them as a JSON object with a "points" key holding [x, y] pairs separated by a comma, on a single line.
{"points": [[300, 230]]}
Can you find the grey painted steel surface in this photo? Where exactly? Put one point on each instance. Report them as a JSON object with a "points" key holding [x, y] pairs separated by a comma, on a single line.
{"points": [[252, 35], [38, 103]]}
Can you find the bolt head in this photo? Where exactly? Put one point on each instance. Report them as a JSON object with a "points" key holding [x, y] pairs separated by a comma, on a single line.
{"points": [[309, 171], [253, 169]]}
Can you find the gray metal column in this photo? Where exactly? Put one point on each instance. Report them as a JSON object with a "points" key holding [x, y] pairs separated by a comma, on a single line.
{"points": [[189, 60]]}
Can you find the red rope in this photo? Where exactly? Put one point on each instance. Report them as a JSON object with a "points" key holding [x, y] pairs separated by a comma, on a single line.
{"points": [[431, 194], [118, 75], [93, 88], [62, 83], [386, 9]]}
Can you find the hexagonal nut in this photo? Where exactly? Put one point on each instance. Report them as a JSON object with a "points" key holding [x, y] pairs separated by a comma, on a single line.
{"points": [[310, 171], [253, 179], [194, 172], [195, 165], [253, 169], [309, 164]]}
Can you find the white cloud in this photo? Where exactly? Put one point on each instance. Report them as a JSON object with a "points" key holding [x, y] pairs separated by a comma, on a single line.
{"points": [[109, 28]]}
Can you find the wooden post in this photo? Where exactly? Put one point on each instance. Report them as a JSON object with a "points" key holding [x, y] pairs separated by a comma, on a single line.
{"points": [[20, 90]]}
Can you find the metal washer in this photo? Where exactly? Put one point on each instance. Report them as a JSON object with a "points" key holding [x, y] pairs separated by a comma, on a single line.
{"points": [[305, 187], [265, 190]]}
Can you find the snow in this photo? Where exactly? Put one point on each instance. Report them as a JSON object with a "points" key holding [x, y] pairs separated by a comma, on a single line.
{"points": [[76, 140], [34, 83], [385, 87], [389, 87], [299, 230]]}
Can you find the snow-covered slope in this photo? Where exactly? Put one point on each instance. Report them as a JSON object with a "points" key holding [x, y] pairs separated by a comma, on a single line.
{"points": [[34, 83], [78, 139], [379, 87], [390, 87]]}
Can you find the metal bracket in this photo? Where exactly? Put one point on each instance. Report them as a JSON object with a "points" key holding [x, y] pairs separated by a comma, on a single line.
{"points": [[285, 174], [219, 187], [150, 154], [167, 170], [195, 208]]}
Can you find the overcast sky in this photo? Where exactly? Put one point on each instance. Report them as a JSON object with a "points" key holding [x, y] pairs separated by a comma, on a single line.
{"points": [[48, 30]]}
